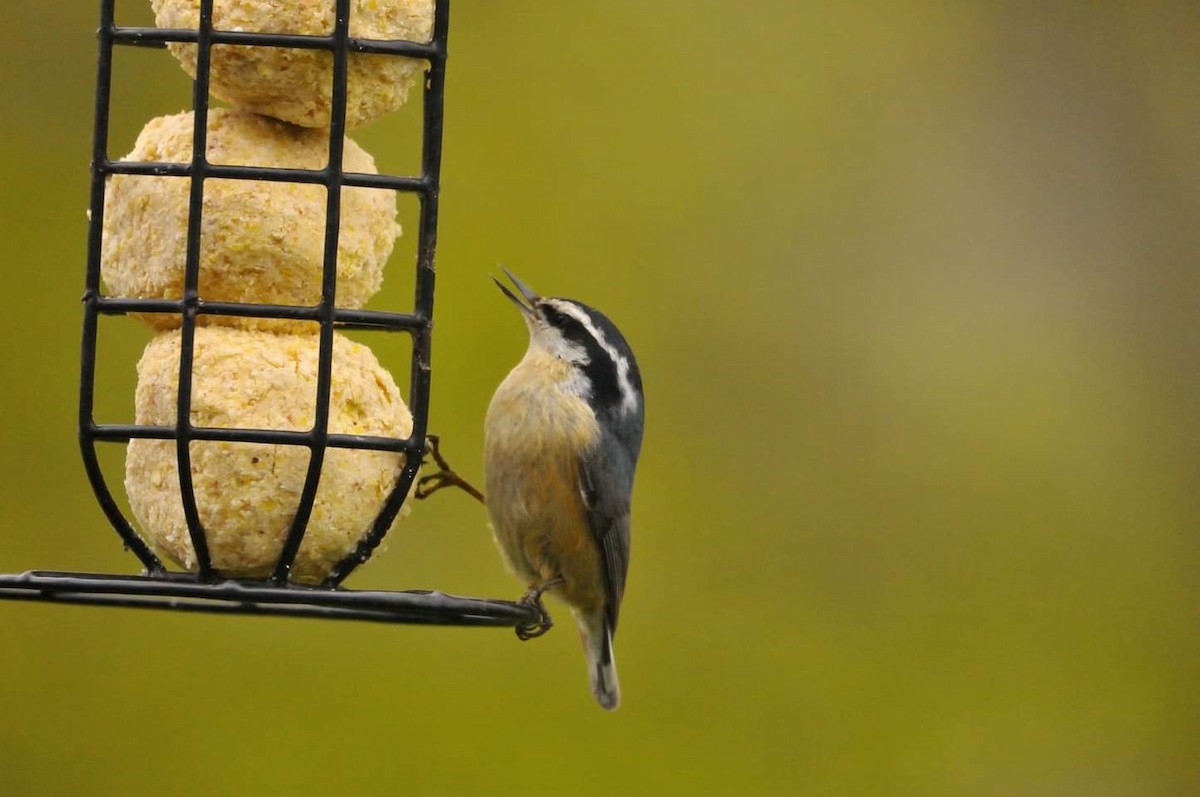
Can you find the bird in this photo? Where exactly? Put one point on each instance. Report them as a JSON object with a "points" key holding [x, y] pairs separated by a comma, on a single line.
{"points": [[562, 437]]}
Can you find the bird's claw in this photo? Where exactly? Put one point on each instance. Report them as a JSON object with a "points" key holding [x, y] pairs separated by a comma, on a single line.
{"points": [[533, 598], [528, 631]]}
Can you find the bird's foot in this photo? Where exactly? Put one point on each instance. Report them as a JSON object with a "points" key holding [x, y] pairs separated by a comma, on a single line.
{"points": [[533, 597], [445, 477]]}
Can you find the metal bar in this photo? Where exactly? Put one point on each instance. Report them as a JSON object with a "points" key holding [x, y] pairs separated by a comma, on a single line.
{"points": [[419, 383], [333, 213], [191, 294], [376, 319], [91, 320], [411, 185], [276, 174], [147, 168], [106, 305], [431, 157], [411, 445], [121, 433], [249, 608], [361, 319], [157, 37], [178, 591], [115, 432], [116, 305]]}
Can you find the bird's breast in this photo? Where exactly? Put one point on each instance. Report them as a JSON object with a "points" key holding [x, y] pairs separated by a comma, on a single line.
{"points": [[534, 437], [536, 412]]}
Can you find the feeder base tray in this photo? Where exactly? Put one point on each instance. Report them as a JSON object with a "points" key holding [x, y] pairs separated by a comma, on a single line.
{"points": [[186, 592]]}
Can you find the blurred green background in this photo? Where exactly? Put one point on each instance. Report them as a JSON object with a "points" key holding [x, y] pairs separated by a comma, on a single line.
{"points": [[914, 290]]}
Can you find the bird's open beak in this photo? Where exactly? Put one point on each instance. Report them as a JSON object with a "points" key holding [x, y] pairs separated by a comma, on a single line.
{"points": [[530, 296]]}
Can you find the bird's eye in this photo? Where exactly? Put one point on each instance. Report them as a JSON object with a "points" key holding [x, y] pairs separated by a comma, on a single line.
{"points": [[551, 314]]}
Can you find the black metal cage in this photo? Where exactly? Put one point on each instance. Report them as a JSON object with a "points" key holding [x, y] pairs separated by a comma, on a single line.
{"points": [[205, 589]]}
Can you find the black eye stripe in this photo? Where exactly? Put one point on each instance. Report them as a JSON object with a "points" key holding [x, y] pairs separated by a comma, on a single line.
{"points": [[602, 370], [568, 325]]}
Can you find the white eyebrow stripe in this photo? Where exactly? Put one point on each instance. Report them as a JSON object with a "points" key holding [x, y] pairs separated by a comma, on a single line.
{"points": [[629, 399]]}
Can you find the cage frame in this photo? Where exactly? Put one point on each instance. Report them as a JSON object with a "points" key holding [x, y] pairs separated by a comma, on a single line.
{"points": [[206, 589]]}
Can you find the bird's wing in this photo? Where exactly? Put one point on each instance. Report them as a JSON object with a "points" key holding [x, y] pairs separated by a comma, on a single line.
{"points": [[605, 482]]}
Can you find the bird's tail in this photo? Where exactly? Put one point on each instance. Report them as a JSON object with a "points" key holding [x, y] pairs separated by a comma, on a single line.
{"points": [[602, 667]]}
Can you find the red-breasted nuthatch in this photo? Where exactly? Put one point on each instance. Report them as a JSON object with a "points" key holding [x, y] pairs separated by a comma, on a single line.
{"points": [[562, 438]]}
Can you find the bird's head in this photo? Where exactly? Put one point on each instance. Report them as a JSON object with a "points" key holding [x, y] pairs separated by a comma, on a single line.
{"points": [[584, 337]]}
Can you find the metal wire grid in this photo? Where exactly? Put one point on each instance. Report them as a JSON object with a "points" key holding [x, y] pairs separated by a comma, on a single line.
{"points": [[205, 590]]}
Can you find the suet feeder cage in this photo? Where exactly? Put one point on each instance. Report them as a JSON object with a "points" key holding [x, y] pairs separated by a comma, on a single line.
{"points": [[204, 588]]}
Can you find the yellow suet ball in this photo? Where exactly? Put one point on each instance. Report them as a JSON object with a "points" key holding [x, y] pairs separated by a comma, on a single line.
{"points": [[247, 493], [296, 85], [260, 241]]}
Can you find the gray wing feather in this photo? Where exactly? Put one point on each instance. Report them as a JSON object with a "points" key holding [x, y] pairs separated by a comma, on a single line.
{"points": [[606, 482]]}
